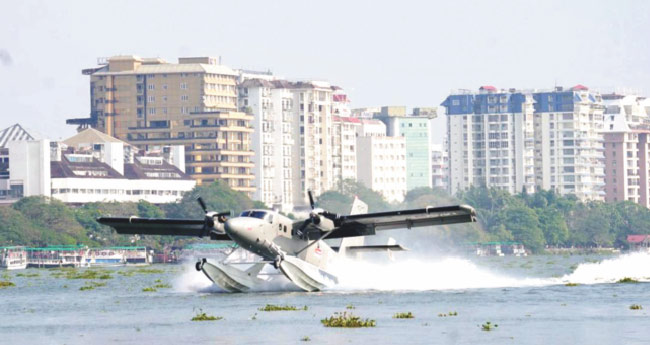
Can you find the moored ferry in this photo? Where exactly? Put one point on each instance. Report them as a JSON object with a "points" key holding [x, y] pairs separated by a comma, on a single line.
{"points": [[59, 256], [13, 258], [118, 256]]}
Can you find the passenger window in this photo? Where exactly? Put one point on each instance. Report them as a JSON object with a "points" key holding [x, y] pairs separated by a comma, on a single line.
{"points": [[285, 228], [279, 227]]}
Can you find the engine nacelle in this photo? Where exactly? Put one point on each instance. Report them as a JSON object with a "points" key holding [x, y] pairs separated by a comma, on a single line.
{"points": [[322, 223]]}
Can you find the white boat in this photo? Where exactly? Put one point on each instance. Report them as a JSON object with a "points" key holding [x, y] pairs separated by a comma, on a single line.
{"points": [[105, 257], [60, 256], [13, 258]]}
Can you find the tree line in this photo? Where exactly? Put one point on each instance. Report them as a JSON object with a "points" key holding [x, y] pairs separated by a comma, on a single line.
{"points": [[537, 220]]}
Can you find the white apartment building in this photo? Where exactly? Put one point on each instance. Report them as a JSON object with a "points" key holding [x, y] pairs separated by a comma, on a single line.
{"points": [[439, 166], [569, 142], [381, 165], [515, 140], [490, 140], [271, 104], [313, 167], [371, 128], [344, 147]]}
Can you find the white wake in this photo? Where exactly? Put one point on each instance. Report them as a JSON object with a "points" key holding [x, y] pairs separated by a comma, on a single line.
{"points": [[445, 273], [633, 265]]}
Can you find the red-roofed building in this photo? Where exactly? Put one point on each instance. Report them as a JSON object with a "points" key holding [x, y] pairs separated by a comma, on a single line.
{"points": [[638, 241], [488, 88], [579, 87]]}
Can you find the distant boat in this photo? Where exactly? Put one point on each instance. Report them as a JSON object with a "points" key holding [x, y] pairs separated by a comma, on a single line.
{"points": [[118, 256], [59, 256], [13, 258]]}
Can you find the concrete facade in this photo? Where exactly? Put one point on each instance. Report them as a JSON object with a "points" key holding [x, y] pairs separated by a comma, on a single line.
{"points": [[151, 103], [513, 139], [381, 165]]}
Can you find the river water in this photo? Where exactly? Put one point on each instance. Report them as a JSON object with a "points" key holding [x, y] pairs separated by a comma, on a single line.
{"points": [[525, 296]]}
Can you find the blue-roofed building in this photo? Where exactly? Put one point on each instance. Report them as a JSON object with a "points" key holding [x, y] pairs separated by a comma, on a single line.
{"points": [[514, 140], [490, 140]]}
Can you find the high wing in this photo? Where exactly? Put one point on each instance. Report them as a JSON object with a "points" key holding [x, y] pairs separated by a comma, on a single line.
{"points": [[159, 226], [367, 224]]}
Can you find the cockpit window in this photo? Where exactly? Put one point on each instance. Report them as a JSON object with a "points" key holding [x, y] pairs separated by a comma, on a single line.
{"points": [[254, 214]]}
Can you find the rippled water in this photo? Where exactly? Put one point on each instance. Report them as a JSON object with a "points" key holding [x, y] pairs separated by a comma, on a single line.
{"points": [[525, 296]]}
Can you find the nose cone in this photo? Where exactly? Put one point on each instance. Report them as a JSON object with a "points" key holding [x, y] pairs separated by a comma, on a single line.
{"points": [[242, 229]]}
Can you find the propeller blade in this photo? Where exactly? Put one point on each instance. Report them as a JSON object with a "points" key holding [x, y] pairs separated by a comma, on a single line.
{"points": [[202, 203], [311, 199]]}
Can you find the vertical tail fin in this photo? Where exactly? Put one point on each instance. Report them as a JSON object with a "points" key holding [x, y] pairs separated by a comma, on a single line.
{"points": [[358, 207]]}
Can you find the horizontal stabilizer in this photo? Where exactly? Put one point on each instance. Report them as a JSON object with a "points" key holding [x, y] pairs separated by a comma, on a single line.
{"points": [[378, 248], [159, 226]]}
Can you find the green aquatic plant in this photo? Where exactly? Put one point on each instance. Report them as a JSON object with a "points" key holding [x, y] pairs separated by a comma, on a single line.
{"points": [[162, 286], [273, 307], [346, 320], [627, 280], [350, 306], [126, 273], [571, 284], [4, 284], [407, 315], [451, 313], [488, 326], [84, 274], [149, 289], [201, 316], [91, 286], [305, 338], [636, 307], [27, 275]]}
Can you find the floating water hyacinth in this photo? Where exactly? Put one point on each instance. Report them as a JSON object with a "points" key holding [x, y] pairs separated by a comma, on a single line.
{"points": [[345, 320], [627, 280], [273, 307], [201, 316], [488, 326], [4, 284], [407, 315]]}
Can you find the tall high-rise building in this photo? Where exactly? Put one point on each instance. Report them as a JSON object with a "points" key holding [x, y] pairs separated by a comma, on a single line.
{"points": [[313, 167], [515, 140], [627, 148], [569, 142], [271, 104], [151, 103], [344, 148]]}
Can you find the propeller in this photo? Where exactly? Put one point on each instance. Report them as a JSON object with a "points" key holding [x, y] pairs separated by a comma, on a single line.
{"points": [[208, 223], [316, 217]]}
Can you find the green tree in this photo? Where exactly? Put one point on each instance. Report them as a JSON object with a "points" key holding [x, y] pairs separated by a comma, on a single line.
{"points": [[522, 222], [553, 225], [149, 210], [218, 197]]}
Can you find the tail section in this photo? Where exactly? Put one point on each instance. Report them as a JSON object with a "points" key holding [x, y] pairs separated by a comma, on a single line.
{"points": [[358, 207]]}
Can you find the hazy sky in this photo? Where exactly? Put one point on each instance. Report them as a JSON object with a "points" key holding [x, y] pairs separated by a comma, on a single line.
{"points": [[392, 52]]}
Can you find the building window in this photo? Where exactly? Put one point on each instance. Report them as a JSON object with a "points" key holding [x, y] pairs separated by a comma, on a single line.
{"points": [[151, 87], [152, 111], [184, 98], [183, 86], [151, 99]]}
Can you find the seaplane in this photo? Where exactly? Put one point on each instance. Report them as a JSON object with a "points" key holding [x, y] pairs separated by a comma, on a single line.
{"points": [[295, 248]]}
